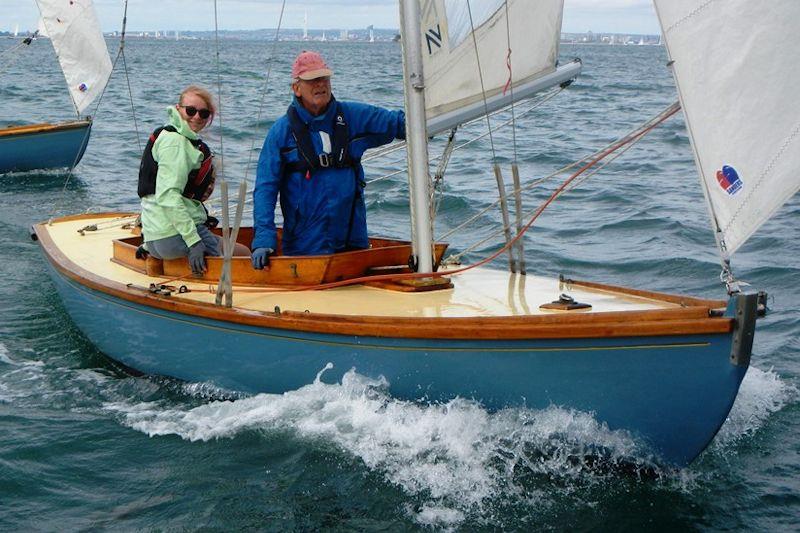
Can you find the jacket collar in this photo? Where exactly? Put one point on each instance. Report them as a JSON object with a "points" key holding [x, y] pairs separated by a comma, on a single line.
{"points": [[176, 120], [308, 118]]}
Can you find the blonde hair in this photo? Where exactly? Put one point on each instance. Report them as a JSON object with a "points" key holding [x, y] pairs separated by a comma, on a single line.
{"points": [[202, 93]]}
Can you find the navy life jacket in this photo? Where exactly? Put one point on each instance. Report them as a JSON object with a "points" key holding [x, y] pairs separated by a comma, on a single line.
{"points": [[309, 160], [200, 182]]}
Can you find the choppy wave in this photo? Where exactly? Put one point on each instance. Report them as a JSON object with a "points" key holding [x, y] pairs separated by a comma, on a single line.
{"points": [[456, 459], [761, 394]]}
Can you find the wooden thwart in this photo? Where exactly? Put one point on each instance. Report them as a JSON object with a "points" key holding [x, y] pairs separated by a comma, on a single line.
{"points": [[384, 256]]}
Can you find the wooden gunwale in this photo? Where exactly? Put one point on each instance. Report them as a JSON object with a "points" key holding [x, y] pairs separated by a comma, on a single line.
{"points": [[689, 320], [45, 127], [653, 295]]}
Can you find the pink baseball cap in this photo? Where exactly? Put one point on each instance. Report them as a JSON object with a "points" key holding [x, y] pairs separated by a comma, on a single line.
{"points": [[310, 66]]}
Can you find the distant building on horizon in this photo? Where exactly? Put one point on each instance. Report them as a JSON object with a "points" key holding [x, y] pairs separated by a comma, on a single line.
{"points": [[590, 37]]}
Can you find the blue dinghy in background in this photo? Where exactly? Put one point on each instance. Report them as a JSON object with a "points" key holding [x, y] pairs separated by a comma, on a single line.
{"points": [[74, 31], [43, 146]]}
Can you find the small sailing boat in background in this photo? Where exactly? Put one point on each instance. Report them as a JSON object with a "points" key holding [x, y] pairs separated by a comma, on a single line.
{"points": [[663, 368], [74, 30]]}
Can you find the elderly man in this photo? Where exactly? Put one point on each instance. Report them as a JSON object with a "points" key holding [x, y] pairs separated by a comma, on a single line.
{"points": [[312, 156]]}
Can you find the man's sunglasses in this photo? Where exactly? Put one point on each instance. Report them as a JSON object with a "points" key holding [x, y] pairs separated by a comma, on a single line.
{"points": [[192, 111]]}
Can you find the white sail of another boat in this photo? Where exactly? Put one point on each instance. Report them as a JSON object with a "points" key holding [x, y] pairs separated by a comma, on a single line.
{"points": [[732, 66], [75, 32], [455, 86]]}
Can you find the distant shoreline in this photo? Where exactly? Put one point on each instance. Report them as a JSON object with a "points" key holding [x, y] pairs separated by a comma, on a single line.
{"points": [[347, 35]]}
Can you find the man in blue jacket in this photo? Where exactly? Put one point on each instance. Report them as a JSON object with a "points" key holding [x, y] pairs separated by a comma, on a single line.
{"points": [[312, 156]]}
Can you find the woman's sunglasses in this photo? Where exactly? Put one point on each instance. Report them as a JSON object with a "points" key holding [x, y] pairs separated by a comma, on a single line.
{"points": [[192, 111]]}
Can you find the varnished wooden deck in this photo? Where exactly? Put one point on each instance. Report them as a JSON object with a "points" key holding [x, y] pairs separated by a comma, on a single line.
{"points": [[483, 303]]}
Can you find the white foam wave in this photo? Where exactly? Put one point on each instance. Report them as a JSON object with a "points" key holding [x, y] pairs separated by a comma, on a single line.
{"points": [[453, 456], [436, 516], [761, 394], [16, 382], [5, 357]]}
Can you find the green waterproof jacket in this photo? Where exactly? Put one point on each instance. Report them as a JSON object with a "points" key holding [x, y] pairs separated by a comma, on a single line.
{"points": [[168, 212]]}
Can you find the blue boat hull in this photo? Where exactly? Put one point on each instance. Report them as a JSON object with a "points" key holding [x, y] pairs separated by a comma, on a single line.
{"points": [[59, 147], [671, 392]]}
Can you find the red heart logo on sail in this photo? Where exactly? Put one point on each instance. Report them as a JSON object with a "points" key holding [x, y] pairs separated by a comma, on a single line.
{"points": [[728, 179], [721, 179]]}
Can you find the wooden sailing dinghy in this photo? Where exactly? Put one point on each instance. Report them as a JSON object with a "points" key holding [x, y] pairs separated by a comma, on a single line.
{"points": [[485, 337], [664, 368], [43, 146], [74, 30]]}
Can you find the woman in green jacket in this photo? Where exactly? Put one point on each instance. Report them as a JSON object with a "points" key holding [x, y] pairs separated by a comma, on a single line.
{"points": [[175, 177]]}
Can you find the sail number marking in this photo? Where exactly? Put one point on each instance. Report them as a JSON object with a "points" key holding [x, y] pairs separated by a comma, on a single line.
{"points": [[433, 36]]}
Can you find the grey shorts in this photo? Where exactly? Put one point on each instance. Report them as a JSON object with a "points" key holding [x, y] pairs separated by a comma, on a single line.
{"points": [[175, 247]]}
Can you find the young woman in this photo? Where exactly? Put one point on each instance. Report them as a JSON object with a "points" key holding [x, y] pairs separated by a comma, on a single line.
{"points": [[175, 177]]}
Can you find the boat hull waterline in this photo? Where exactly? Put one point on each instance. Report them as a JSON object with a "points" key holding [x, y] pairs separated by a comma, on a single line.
{"points": [[43, 146], [670, 391]]}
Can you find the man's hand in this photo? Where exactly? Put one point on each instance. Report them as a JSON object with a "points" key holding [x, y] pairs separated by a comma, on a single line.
{"points": [[197, 259], [260, 257]]}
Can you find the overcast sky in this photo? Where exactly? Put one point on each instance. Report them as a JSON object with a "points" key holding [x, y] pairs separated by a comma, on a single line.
{"points": [[615, 16]]}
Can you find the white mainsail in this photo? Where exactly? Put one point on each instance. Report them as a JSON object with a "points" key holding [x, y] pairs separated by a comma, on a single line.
{"points": [[75, 33], [453, 80], [738, 93]]}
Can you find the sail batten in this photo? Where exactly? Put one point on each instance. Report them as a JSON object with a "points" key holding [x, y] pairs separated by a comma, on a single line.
{"points": [[511, 53], [74, 31], [729, 63]]}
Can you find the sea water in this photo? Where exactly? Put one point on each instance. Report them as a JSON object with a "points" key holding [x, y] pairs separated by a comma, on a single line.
{"points": [[86, 445]]}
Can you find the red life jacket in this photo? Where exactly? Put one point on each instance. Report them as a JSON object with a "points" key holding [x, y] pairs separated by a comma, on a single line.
{"points": [[199, 183]]}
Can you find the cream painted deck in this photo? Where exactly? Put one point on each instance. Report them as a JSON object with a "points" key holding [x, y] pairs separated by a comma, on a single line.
{"points": [[478, 292]]}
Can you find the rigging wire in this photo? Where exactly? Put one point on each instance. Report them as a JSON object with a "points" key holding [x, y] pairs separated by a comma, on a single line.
{"points": [[519, 261], [617, 148], [376, 154], [15, 47], [398, 146], [11, 58], [127, 77], [265, 89], [559, 171], [260, 108], [575, 184], [120, 53], [633, 136], [219, 90], [437, 189], [480, 75], [511, 84]]}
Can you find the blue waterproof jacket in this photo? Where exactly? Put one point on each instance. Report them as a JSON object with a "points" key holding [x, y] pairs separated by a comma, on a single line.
{"points": [[317, 209]]}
